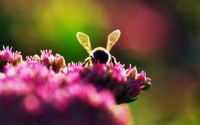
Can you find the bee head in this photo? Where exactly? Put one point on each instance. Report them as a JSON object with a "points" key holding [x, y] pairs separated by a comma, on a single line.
{"points": [[101, 55]]}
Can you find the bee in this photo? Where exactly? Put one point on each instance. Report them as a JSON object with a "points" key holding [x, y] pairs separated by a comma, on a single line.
{"points": [[99, 54]]}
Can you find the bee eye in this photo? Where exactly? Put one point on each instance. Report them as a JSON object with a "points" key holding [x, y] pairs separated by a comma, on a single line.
{"points": [[101, 56]]}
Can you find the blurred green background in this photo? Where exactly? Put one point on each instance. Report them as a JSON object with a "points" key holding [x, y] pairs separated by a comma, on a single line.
{"points": [[160, 37]]}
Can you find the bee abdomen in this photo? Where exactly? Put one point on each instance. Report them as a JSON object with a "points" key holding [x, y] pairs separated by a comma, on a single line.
{"points": [[101, 56]]}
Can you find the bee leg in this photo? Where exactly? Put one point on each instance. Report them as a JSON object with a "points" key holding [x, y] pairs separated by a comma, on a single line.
{"points": [[92, 59], [86, 61], [113, 60]]}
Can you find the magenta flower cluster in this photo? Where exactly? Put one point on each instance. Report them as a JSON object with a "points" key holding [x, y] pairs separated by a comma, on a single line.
{"points": [[43, 90]]}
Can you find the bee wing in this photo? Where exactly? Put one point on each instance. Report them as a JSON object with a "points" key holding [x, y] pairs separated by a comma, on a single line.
{"points": [[84, 41], [112, 39]]}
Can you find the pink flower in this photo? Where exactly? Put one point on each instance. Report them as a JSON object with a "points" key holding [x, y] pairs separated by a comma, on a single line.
{"points": [[42, 90], [7, 56], [125, 84], [56, 62]]}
